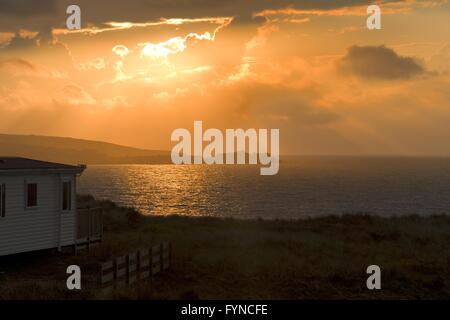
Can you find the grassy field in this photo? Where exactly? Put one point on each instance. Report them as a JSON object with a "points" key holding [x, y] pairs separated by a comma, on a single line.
{"points": [[323, 258]]}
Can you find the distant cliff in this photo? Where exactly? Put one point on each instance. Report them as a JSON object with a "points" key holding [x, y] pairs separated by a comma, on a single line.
{"points": [[75, 151]]}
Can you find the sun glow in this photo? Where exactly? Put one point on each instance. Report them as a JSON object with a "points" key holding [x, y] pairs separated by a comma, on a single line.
{"points": [[174, 45], [178, 44], [163, 49]]}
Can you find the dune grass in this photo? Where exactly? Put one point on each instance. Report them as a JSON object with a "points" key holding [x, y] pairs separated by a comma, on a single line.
{"points": [[322, 258]]}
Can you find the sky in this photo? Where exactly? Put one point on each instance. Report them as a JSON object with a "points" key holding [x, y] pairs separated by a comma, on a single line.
{"points": [[139, 69]]}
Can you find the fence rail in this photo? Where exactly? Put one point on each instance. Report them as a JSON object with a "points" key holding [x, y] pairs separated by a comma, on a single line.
{"points": [[135, 266]]}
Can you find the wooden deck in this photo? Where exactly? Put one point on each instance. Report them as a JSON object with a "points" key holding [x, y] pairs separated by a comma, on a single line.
{"points": [[89, 227]]}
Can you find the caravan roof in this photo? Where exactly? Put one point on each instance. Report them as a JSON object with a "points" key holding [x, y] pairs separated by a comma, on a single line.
{"points": [[24, 164]]}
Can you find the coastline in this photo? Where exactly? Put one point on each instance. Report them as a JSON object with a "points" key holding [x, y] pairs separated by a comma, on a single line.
{"points": [[225, 258]]}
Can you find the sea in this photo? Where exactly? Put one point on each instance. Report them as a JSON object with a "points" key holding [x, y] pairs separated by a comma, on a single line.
{"points": [[304, 187]]}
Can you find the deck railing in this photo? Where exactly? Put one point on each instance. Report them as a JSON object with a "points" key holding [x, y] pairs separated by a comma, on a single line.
{"points": [[89, 225]]}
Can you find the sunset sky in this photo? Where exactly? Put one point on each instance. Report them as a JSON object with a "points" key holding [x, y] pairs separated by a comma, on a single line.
{"points": [[139, 69]]}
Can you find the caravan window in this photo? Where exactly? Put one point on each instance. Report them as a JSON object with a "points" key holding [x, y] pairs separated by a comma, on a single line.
{"points": [[67, 195], [2, 200], [31, 196]]}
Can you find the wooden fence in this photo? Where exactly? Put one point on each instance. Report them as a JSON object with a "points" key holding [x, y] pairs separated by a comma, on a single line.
{"points": [[139, 265]]}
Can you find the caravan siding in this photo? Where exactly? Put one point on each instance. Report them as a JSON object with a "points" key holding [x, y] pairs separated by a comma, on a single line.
{"points": [[41, 227]]}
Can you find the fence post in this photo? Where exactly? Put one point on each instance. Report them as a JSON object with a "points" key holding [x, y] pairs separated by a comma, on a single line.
{"points": [[127, 264], [115, 272], [161, 256], [170, 255], [151, 265], [138, 265], [89, 213], [100, 274], [101, 224]]}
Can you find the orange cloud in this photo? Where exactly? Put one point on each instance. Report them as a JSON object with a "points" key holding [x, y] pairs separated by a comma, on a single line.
{"points": [[116, 26], [391, 7]]}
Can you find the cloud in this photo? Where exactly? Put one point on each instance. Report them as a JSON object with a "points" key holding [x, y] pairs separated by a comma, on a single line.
{"points": [[96, 63], [29, 14], [255, 72], [344, 8], [27, 8], [75, 95], [121, 50], [298, 106], [378, 62], [117, 26], [19, 42], [40, 48], [24, 40], [35, 15], [17, 63], [177, 44]]}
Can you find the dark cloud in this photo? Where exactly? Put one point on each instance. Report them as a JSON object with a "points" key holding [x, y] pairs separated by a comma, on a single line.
{"points": [[39, 15], [378, 62], [27, 8], [32, 14], [143, 10], [38, 49]]}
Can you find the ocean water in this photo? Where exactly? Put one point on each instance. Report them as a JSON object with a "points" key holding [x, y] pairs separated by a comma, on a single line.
{"points": [[304, 187]]}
